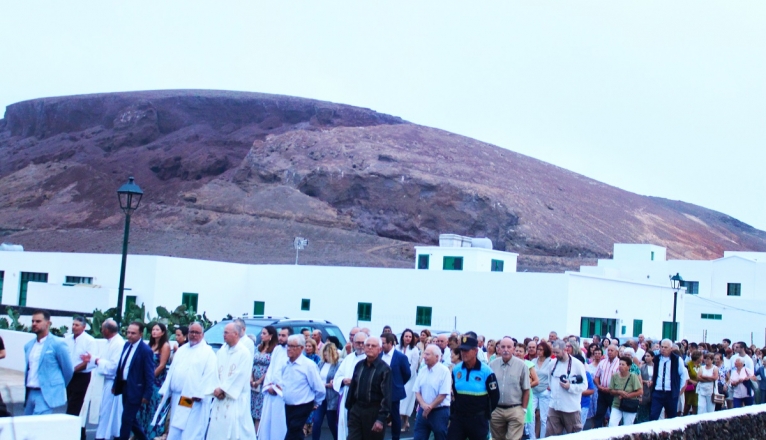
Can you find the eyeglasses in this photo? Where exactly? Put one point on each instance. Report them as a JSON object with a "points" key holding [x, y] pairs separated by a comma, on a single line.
{"points": [[194, 332], [293, 346]]}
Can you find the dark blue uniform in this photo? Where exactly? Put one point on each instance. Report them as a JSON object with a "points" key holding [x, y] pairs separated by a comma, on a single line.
{"points": [[476, 396]]}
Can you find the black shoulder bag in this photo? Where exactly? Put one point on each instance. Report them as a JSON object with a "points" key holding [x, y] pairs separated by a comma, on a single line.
{"points": [[628, 405]]}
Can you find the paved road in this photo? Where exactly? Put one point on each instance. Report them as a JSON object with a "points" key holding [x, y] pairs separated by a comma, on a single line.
{"points": [[18, 409]]}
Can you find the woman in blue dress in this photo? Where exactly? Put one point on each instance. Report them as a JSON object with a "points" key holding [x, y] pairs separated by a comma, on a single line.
{"points": [[161, 349]]}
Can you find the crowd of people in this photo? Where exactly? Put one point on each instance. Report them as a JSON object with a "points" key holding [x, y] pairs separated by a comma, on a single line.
{"points": [[449, 385]]}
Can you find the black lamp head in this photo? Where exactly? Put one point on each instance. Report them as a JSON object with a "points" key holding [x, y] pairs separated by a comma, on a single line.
{"points": [[129, 196]]}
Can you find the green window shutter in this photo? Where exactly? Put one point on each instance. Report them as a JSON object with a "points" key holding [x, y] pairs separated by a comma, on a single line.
{"points": [[497, 265], [423, 315], [2, 277], [734, 289], [638, 327], [364, 312], [305, 304], [258, 308], [26, 278], [584, 328], [452, 263], [423, 261], [190, 301], [130, 300]]}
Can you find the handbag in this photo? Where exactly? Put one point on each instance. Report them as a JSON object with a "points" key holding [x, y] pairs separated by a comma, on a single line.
{"points": [[628, 405], [718, 399]]}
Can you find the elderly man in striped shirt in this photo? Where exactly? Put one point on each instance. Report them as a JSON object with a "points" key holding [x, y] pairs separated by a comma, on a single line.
{"points": [[606, 369]]}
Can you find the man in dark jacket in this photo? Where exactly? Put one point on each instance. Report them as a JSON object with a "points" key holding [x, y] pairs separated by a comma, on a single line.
{"points": [[669, 374], [369, 395], [134, 380]]}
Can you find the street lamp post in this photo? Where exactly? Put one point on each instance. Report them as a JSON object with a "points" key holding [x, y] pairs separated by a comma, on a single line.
{"points": [[129, 196], [675, 283]]}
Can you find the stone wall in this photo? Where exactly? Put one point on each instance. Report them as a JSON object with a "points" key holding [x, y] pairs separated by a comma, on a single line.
{"points": [[736, 424]]}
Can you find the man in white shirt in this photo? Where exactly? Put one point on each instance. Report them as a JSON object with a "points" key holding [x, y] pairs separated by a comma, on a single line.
{"points": [[302, 387], [80, 344], [740, 353], [442, 342], [106, 364], [668, 379], [49, 368], [567, 382], [433, 390]]}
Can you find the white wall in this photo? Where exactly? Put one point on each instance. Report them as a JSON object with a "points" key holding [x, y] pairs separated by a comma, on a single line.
{"points": [[621, 300], [474, 259], [79, 298], [14, 349], [638, 252], [54, 426]]}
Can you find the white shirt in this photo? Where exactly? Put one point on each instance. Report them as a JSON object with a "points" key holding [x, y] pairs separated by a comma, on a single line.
{"points": [[663, 380], [387, 357], [640, 354], [434, 381], [130, 359], [301, 382], [34, 363], [481, 355], [79, 346], [567, 400]]}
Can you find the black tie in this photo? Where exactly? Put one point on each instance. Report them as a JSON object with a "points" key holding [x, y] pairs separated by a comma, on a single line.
{"points": [[124, 362], [664, 368]]}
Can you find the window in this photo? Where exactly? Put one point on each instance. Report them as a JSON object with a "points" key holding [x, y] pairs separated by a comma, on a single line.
{"points": [[453, 263], [423, 261], [734, 289], [652, 257], [258, 308], [638, 327], [364, 312], [597, 326], [26, 278], [667, 330], [305, 304], [623, 329], [423, 316], [692, 287], [130, 300], [711, 316], [190, 301], [497, 265], [2, 277], [71, 281]]}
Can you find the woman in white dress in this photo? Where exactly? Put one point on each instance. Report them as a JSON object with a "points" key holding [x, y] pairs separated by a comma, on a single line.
{"points": [[408, 348]]}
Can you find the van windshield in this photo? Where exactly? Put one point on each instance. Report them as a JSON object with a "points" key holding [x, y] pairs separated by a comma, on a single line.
{"points": [[214, 335]]}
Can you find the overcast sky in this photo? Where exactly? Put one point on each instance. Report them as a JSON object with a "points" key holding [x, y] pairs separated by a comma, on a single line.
{"points": [[659, 98]]}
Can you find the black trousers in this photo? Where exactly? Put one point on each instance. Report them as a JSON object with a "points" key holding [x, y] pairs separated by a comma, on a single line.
{"points": [[396, 421], [129, 421], [296, 417], [75, 393], [361, 418], [603, 404], [475, 427]]}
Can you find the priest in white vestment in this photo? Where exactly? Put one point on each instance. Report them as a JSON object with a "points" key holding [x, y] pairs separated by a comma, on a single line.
{"points": [[343, 379], [110, 413], [273, 424], [230, 417], [243, 338], [190, 383]]}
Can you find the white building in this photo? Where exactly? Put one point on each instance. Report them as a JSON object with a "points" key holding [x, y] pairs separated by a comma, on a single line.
{"points": [[491, 303], [724, 298]]}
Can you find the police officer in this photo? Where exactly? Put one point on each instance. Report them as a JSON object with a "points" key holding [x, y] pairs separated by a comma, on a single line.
{"points": [[476, 394]]}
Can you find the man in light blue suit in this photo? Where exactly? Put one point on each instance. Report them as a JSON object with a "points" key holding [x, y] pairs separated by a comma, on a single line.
{"points": [[49, 368]]}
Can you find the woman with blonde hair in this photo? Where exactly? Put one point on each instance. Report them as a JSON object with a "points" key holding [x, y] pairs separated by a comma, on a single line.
{"points": [[328, 366]]}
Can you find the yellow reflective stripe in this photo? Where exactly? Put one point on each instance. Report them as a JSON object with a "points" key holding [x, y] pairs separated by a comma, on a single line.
{"points": [[468, 393]]}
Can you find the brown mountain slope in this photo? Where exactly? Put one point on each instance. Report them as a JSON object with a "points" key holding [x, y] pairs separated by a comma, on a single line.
{"points": [[235, 176]]}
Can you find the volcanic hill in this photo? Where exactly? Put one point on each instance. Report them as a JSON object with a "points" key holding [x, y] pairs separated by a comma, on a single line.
{"points": [[235, 176]]}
